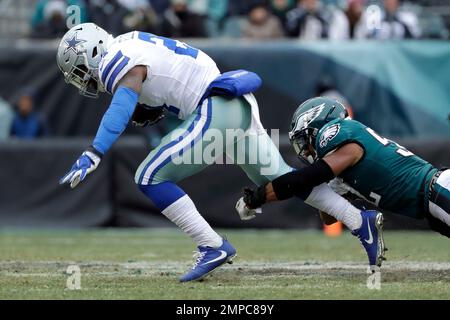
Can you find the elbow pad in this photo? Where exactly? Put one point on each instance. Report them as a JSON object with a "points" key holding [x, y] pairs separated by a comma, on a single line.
{"points": [[301, 182]]}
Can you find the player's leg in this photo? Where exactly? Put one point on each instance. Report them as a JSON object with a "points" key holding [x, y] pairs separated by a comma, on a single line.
{"points": [[269, 165], [439, 204], [265, 163], [157, 176], [180, 155]]}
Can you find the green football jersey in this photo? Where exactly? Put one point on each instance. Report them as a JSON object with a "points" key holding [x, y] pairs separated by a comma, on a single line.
{"points": [[387, 175]]}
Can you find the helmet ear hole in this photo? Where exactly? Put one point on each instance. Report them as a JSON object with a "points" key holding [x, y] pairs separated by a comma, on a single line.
{"points": [[94, 52]]}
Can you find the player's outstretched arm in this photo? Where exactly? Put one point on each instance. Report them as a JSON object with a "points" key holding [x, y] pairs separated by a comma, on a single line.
{"points": [[300, 182], [113, 123]]}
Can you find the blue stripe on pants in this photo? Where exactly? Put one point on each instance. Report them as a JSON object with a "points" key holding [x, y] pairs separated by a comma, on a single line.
{"points": [[176, 141]]}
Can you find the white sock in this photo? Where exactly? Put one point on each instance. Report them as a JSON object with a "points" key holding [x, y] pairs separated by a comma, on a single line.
{"points": [[325, 199], [185, 215]]}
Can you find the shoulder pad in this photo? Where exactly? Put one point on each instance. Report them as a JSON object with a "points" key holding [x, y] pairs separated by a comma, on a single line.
{"points": [[333, 135], [119, 59]]}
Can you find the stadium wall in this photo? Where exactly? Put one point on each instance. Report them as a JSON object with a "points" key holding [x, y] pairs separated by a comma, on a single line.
{"points": [[400, 89], [32, 197]]}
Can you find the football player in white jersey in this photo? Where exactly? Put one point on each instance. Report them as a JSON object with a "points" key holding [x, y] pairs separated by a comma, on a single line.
{"points": [[166, 74]]}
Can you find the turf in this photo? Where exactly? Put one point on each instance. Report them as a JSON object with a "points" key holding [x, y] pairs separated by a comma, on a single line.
{"points": [[146, 264]]}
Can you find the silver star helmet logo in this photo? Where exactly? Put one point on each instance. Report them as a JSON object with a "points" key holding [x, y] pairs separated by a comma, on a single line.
{"points": [[73, 43]]}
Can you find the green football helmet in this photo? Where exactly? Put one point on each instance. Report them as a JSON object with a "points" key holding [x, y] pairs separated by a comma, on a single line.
{"points": [[307, 121]]}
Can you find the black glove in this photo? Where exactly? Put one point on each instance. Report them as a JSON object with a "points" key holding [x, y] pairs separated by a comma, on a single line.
{"points": [[255, 198], [146, 116]]}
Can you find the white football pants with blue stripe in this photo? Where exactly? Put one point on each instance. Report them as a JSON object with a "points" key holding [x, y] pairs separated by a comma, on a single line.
{"points": [[220, 124]]}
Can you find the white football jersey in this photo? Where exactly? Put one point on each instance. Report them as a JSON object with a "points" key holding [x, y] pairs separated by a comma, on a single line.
{"points": [[177, 74]]}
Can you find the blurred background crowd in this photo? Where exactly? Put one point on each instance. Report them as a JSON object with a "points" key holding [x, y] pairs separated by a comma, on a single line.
{"points": [[264, 20], [255, 19]]}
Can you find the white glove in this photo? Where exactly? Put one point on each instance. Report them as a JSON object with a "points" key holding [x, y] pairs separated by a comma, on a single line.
{"points": [[85, 164], [246, 213]]}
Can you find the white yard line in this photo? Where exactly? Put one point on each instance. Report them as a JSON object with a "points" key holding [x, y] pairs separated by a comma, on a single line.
{"points": [[144, 268]]}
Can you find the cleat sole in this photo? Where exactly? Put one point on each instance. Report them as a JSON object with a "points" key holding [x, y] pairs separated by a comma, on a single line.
{"points": [[381, 245], [230, 259]]}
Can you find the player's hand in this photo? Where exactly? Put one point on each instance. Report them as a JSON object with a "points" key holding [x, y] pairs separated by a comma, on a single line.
{"points": [[255, 198], [85, 164], [147, 116], [146, 123], [245, 213]]}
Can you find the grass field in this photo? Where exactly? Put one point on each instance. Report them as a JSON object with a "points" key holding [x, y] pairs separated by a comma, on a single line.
{"points": [[146, 264]]}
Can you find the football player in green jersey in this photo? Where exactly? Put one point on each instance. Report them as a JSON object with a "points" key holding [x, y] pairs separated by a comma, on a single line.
{"points": [[366, 164]]}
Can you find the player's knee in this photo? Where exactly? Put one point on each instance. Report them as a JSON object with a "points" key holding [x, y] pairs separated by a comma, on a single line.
{"points": [[146, 177], [139, 174], [162, 194], [137, 178], [148, 182]]}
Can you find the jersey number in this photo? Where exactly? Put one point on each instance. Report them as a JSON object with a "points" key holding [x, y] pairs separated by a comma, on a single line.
{"points": [[375, 198], [400, 149], [173, 45]]}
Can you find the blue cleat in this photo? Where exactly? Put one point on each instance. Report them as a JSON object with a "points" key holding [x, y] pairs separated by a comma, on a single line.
{"points": [[371, 236], [209, 259]]}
